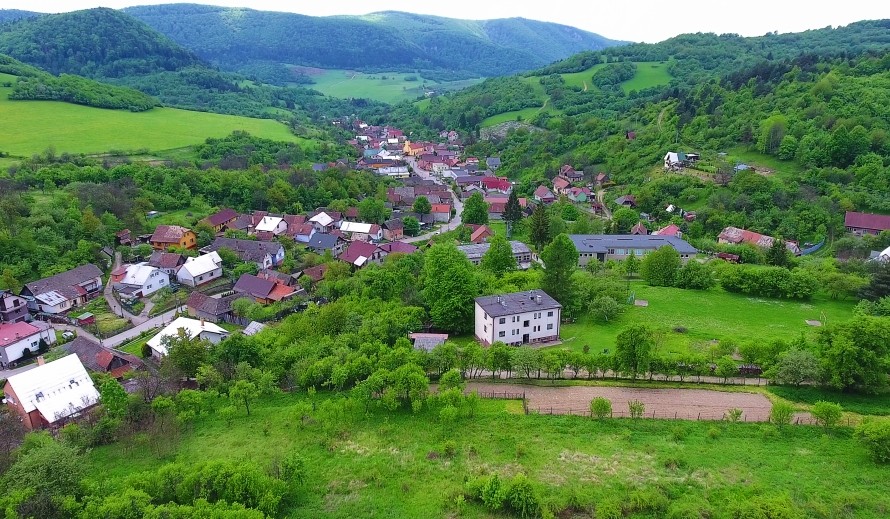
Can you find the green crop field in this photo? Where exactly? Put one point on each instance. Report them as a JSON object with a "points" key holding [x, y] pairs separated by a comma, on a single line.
{"points": [[30, 127], [706, 316], [389, 87], [399, 464]]}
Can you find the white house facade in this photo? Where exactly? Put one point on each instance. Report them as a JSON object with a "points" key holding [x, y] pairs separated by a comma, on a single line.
{"points": [[200, 270], [274, 224], [528, 317], [191, 327], [15, 338], [142, 280]]}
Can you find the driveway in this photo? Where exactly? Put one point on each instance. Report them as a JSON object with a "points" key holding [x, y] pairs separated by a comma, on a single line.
{"points": [[6, 373]]}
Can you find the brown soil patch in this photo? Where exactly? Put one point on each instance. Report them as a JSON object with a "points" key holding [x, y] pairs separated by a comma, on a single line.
{"points": [[686, 404]]}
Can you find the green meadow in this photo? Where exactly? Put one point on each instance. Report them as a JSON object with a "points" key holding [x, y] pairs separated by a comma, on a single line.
{"points": [[30, 127], [703, 317], [399, 464], [389, 87]]}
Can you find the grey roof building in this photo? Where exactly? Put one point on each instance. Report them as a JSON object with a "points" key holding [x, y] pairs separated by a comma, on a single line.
{"points": [[475, 252], [530, 317], [602, 247]]}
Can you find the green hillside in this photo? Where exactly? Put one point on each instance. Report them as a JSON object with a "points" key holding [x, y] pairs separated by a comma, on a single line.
{"points": [[387, 87], [30, 127], [237, 38]]}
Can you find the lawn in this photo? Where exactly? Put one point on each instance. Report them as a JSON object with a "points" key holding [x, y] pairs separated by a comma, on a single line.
{"points": [[30, 127], [788, 170], [649, 74], [389, 87], [107, 323], [398, 464], [706, 316], [524, 115]]}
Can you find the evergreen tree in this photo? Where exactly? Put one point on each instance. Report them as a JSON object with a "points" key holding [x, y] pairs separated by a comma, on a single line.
{"points": [[475, 210], [539, 228], [880, 284], [777, 254], [512, 212], [560, 261], [499, 258]]}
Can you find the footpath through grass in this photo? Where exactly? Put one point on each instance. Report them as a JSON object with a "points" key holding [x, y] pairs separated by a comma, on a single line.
{"points": [[706, 316], [405, 465], [30, 127]]}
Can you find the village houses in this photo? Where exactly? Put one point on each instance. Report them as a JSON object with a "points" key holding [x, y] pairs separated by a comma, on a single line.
{"points": [[529, 317]]}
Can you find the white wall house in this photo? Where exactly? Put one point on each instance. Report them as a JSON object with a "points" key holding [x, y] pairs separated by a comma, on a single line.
{"points": [[15, 338], [519, 318], [200, 270], [64, 291], [142, 280], [192, 327], [51, 393], [274, 224]]}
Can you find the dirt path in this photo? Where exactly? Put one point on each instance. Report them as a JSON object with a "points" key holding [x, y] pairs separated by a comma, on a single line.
{"points": [[687, 404], [661, 116], [585, 86]]}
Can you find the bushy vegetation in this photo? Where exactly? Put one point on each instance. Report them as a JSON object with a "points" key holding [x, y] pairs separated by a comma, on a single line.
{"points": [[81, 91]]}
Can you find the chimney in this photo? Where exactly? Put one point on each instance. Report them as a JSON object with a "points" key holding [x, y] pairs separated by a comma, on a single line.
{"points": [[202, 322], [538, 299], [40, 361]]}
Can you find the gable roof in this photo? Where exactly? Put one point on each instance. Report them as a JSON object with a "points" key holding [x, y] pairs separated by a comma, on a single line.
{"points": [[876, 222], [57, 389], [323, 241], [481, 232], [398, 247], [202, 264], [626, 199], [253, 328], [14, 332], [359, 252], [601, 243], [216, 306], [247, 250], [268, 223], [254, 286], [441, 208], [323, 219], [165, 260], [428, 341], [222, 216], [395, 224], [138, 274], [736, 235], [669, 230], [364, 228], [317, 272], [499, 183], [543, 192], [169, 233], [639, 229], [303, 229], [561, 183], [193, 327], [95, 357], [65, 284]]}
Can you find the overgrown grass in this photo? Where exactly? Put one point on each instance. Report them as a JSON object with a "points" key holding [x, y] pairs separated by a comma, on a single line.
{"points": [[30, 127], [524, 115], [395, 464], [704, 317], [855, 403]]}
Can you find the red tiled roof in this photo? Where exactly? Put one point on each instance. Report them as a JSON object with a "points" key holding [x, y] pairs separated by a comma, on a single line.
{"points": [[441, 208], [317, 272], [560, 183], [670, 230], [480, 233], [280, 292], [500, 183], [399, 246], [876, 222], [543, 192], [11, 333]]}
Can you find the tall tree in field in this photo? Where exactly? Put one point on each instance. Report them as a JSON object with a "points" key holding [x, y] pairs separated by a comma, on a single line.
{"points": [[659, 268], [560, 261], [499, 258], [449, 288], [633, 350], [539, 227], [422, 205], [244, 392], [512, 212], [475, 210]]}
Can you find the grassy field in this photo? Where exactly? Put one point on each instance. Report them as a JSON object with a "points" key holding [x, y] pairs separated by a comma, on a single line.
{"points": [[649, 74], [389, 87], [30, 127], [406, 465], [788, 170], [524, 115], [706, 316]]}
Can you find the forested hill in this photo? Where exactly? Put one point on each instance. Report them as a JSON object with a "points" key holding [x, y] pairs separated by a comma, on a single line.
{"points": [[94, 43], [702, 55], [8, 15], [382, 41]]}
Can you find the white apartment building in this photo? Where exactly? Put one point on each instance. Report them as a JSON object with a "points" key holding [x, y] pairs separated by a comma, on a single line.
{"points": [[519, 318]]}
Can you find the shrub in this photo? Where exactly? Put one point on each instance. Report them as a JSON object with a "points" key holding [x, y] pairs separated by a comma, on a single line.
{"points": [[733, 415], [713, 433], [781, 413], [636, 408], [146, 351], [678, 433], [609, 509], [600, 408], [521, 497], [875, 436], [827, 414]]}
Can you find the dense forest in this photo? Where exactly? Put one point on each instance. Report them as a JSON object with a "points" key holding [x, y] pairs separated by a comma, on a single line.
{"points": [[379, 41]]}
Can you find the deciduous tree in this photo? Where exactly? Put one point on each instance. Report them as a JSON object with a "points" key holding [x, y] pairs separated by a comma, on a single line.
{"points": [[499, 259], [560, 261], [475, 210], [449, 288], [422, 205], [633, 350], [659, 267], [244, 392]]}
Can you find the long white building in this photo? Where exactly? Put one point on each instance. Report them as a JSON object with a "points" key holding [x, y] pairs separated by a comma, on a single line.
{"points": [[519, 318]]}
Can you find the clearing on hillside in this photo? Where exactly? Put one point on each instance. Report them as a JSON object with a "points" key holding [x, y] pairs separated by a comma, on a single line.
{"points": [[389, 87], [30, 127]]}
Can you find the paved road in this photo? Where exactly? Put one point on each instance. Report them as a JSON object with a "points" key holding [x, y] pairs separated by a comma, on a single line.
{"points": [[458, 205], [157, 322], [6, 373]]}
